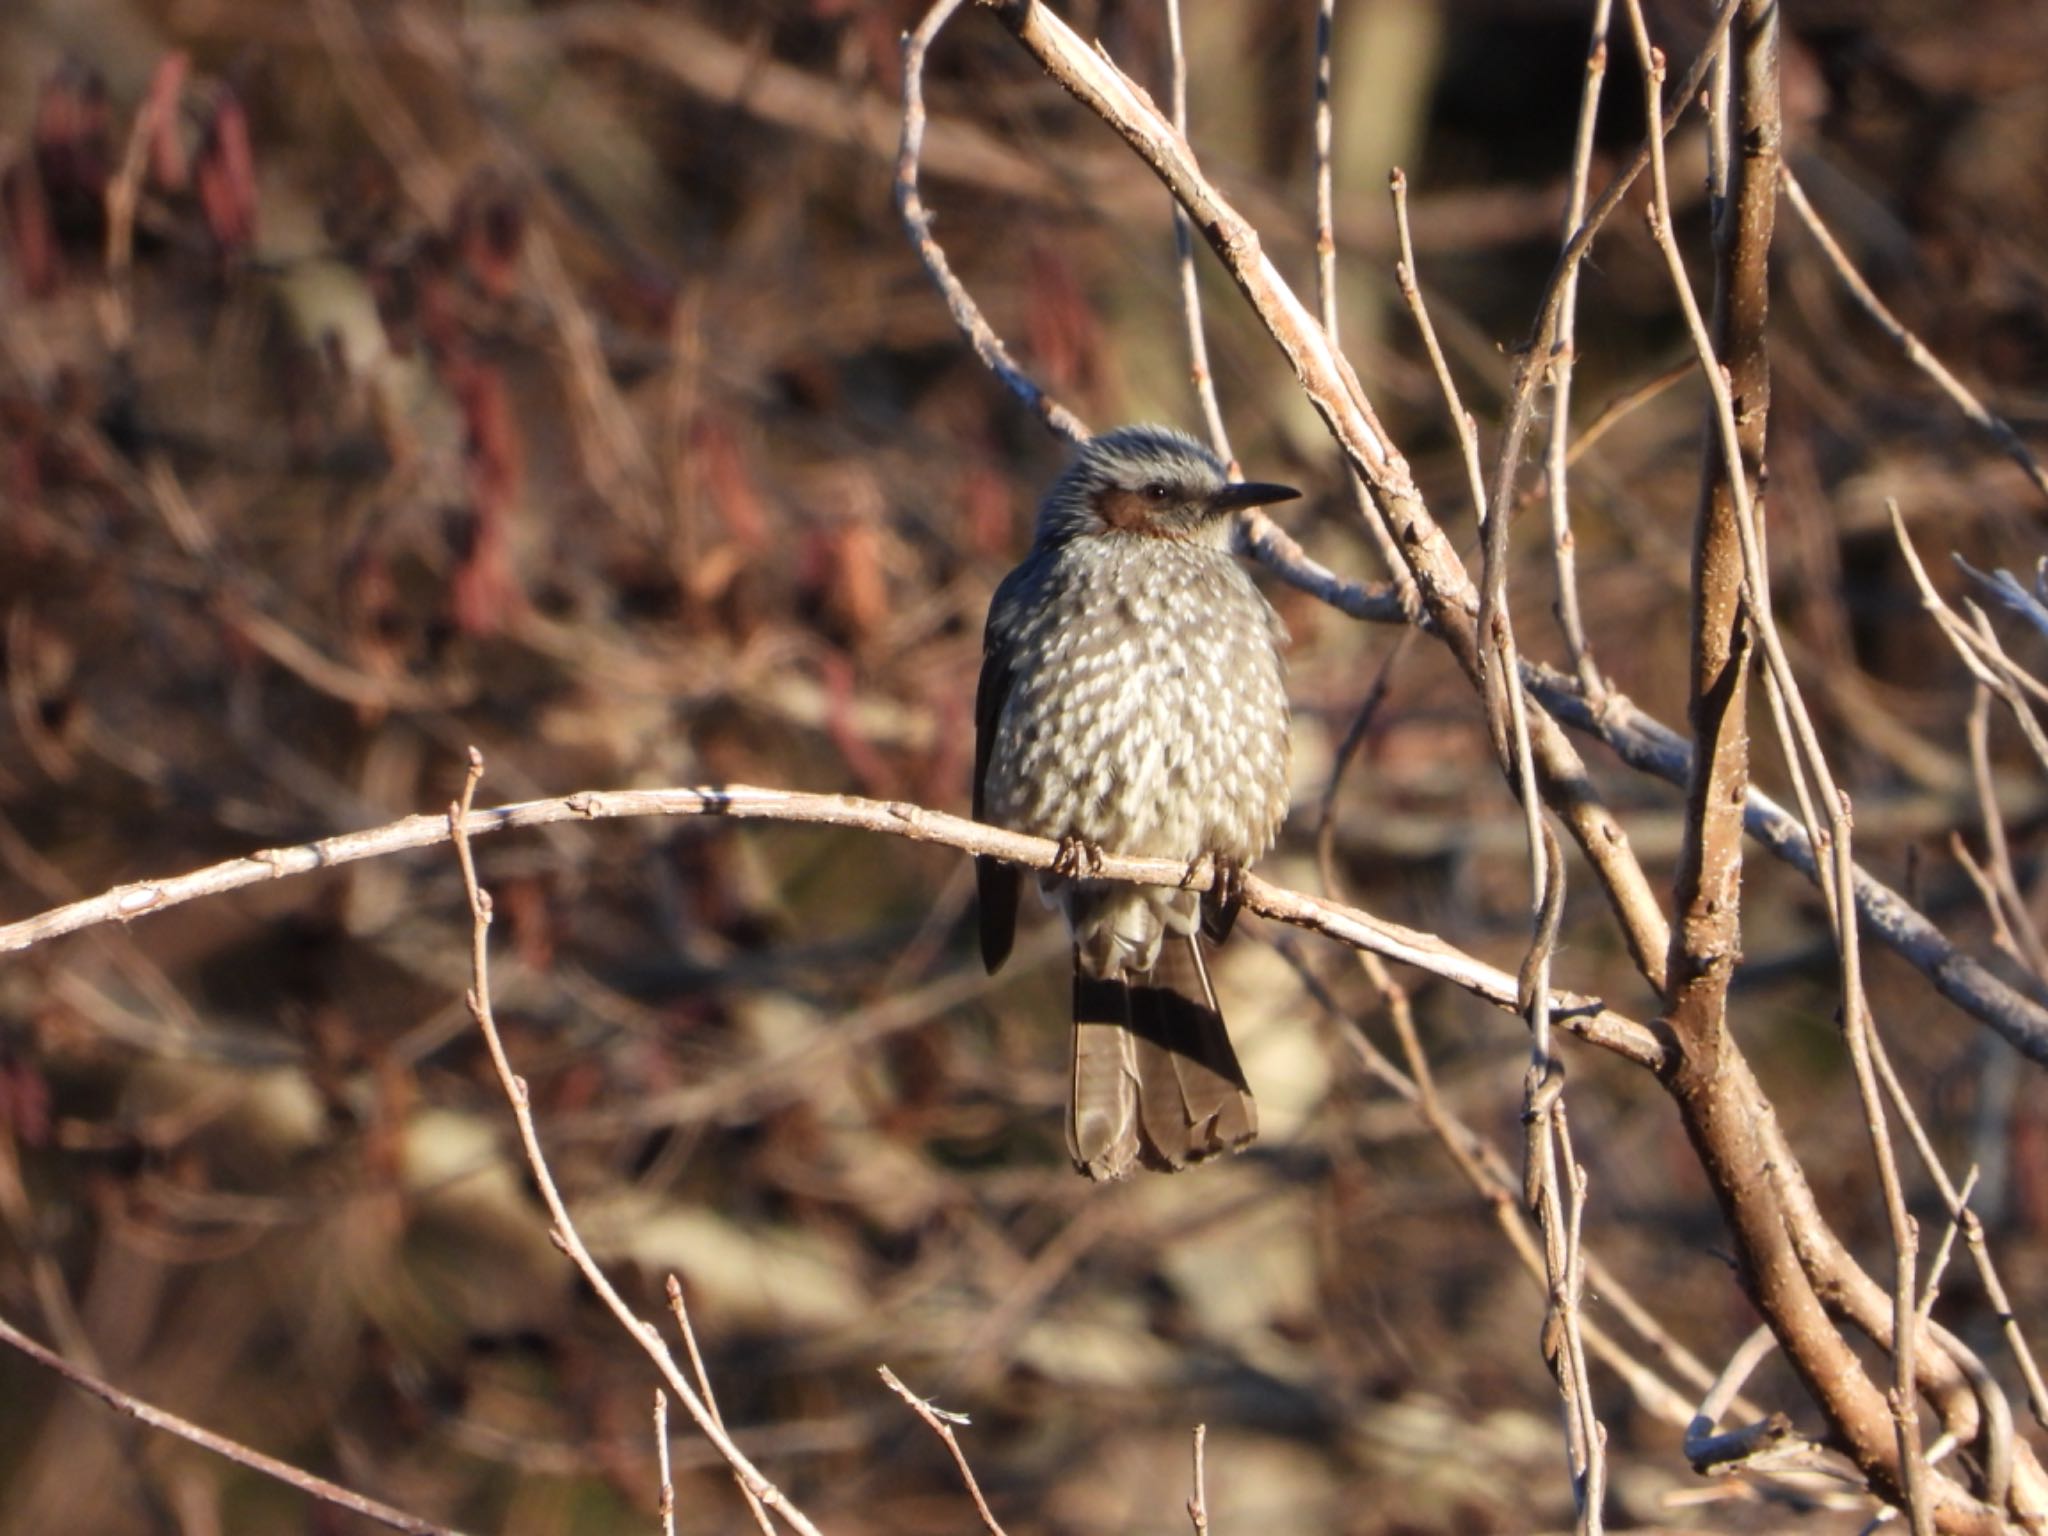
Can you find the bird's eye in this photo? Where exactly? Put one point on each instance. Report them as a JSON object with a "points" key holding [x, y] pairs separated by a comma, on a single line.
{"points": [[1155, 492]]}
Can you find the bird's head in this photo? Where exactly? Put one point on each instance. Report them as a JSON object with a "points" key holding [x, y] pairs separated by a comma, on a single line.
{"points": [[1149, 482]]}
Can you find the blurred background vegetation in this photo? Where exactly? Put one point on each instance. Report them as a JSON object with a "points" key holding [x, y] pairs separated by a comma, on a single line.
{"points": [[555, 377]]}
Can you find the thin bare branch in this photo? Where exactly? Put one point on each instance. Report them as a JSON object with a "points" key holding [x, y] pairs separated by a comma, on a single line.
{"points": [[1411, 294], [1258, 536], [1620, 408], [2015, 921], [1733, 360], [667, 1510], [1951, 1230], [1184, 259], [157, 1418], [1585, 1017], [1989, 422], [1485, 1168], [1648, 745], [1537, 355], [2011, 592], [2001, 1306], [941, 1423], [1563, 355], [917, 222], [1713, 1452], [1707, 889], [680, 1311], [642, 1332]]}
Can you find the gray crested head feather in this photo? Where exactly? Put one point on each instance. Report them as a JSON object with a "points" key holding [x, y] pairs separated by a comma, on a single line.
{"points": [[1133, 459]]}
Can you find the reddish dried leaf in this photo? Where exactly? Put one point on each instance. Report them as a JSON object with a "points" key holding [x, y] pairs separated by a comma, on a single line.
{"points": [[72, 139], [2030, 1163], [496, 457], [870, 769], [813, 566], [484, 592], [1060, 322], [31, 233], [859, 593], [524, 905], [226, 175], [167, 167], [722, 470], [489, 230], [25, 1102], [21, 433], [985, 503]]}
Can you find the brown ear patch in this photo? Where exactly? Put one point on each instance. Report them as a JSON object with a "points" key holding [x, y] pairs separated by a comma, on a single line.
{"points": [[1128, 511]]}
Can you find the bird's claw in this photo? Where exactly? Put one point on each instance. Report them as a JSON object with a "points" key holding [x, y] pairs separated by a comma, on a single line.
{"points": [[1224, 896], [1228, 891], [1078, 859]]}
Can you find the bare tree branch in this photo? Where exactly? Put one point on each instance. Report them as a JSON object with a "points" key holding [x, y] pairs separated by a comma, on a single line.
{"points": [[756, 1487], [1994, 426], [1585, 1017], [910, 204], [1648, 745], [941, 1424], [243, 1455]]}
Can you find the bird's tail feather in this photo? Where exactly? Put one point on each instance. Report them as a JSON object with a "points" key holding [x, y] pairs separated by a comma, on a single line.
{"points": [[1155, 1079], [1102, 1114]]}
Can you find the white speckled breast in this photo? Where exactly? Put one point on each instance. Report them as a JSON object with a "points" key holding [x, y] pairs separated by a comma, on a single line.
{"points": [[1147, 711]]}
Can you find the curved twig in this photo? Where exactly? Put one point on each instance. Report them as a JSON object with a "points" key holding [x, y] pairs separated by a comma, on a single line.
{"points": [[966, 313]]}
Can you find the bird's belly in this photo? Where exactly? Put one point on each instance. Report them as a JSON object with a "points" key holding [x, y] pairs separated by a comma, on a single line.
{"points": [[1147, 748]]}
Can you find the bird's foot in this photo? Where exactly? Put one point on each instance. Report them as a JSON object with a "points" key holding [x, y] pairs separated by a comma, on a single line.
{"points": [[1225, 895], [1078, 859]]}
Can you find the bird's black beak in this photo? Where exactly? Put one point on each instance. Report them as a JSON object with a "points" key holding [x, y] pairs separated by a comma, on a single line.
{"points": [[1250, 493]]}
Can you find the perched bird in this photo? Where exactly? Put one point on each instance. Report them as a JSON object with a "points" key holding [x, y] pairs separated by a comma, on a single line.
{"points": [[1133, 700]]}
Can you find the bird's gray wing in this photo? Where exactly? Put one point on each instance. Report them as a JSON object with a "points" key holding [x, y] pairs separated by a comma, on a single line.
{"points": [[996, 884]]}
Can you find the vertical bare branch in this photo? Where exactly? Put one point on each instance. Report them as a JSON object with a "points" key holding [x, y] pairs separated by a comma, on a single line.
{"points": [[1562, 359], [1537, 355], [1549, 1168], [680, 1310], [1184, 257], [667, 1509], [1706, 939], [1411, 294], [1736, 368]]}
